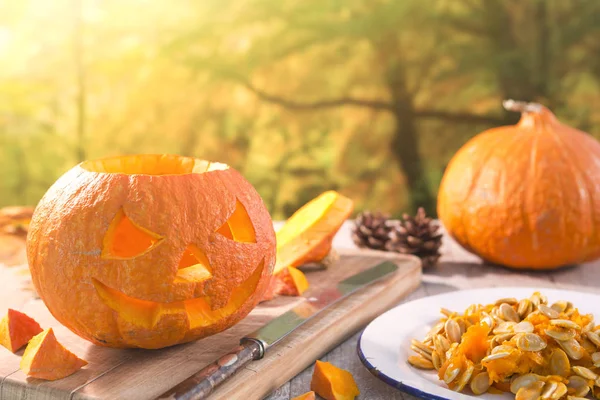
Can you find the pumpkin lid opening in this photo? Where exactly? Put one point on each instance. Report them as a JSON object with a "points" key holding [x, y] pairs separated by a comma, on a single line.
{"points": [[152, 164]]}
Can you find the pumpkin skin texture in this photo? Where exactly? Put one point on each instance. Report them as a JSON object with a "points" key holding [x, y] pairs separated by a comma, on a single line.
{"points": [[150, 250], [525, 196]]}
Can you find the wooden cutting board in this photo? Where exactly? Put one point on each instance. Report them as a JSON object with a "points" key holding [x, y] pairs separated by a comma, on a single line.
{"points": [[135, 374]]}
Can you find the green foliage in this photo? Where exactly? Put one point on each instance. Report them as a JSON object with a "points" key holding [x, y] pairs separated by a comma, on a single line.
{"points": [[368, 97]]}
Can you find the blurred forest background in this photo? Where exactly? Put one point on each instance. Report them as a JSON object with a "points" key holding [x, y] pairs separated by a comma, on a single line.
{"points": [[368, 97]]}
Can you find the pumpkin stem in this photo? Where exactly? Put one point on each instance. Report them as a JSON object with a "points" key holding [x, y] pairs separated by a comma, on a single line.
{"points": [[522, 106]]}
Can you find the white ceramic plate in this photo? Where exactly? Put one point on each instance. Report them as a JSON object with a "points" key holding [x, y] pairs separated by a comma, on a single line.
{"points": [[384, 345]]}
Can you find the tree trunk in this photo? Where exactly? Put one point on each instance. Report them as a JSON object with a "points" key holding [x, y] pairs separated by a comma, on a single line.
{"points": [[405, 144]]}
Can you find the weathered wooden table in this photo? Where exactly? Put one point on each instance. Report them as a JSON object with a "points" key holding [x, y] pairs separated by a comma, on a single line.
{"points": [[457, 270]]}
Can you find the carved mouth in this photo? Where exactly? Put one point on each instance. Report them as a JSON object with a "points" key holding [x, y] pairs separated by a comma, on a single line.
{"points": [[148, 314]]}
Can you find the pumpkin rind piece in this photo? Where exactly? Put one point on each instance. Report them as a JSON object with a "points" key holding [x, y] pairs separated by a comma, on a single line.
{"points": [[289, 282], [45, 358], [307, 235], [333, 383], [16, 329], [306, 396]]}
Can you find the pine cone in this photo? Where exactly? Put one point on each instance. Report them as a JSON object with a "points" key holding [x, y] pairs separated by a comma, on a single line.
{"points": [[371, 230], [416, 235]]}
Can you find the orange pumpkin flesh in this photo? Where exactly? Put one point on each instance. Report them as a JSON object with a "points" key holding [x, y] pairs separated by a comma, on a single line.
{"points": [[307, 235], [306, 396], [525, 196], [333, 383], [45, 358], [291, 282], [150, 250], [16, 329]]}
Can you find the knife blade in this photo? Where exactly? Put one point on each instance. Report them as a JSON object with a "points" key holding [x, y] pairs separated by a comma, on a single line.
{"points": [[254, 345]]}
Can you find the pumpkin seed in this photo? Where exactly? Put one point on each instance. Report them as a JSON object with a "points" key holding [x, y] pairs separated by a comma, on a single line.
{"points": [[536, 299], [596, 359], [589, 326], [523, 381], [451, 373], [548, 312], [421, 352], [593, 337], [559, 363], [559, 391], [503, 337], [549, 389], [436, 360], [504, 327], [565, 323], [524, 308], [530, 392], [560, 306], [487, 319], [420, 362], [452, 331], [436, 329], [588, 345], [560, 333], [421, 345], [502, 349], [578, 385], [572, 348], [447, 312], [471, 310], [508, 313], [465, 377], [440, 344], [570, 312], [463, 326], [523, 327], [495, 356], [531, 342], [480, 383], [585, 373], [507, 300]]}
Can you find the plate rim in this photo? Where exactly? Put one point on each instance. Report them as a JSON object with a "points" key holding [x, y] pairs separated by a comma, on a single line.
{"points": [[411, 390], [391, 381]]}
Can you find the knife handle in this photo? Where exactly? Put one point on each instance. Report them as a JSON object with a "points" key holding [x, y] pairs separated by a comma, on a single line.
{"points": [[202, 383]]}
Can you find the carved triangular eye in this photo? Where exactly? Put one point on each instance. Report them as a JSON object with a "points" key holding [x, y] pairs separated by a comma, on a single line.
{"points": [[126, 239], [239, 226], [193, 266]]}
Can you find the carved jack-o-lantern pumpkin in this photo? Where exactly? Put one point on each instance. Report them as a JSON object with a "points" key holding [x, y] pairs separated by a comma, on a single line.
{"points": [[150, 250]]}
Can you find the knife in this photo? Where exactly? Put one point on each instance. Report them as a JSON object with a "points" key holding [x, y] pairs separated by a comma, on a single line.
{"points": [[253, 346]]}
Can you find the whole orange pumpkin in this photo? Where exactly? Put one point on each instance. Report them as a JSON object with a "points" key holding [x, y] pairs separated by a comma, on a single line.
{"points": [[525, 196], [150, 250]]}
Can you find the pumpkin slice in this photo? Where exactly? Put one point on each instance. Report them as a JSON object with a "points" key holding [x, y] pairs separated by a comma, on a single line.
{"points": [[306, 396], [293, 282], [307, 235], [45, 358], [16, 329], [333, 383]]}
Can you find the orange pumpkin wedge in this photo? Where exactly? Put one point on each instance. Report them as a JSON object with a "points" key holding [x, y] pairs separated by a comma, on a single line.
{"points": [[333, 383], [45, 358], [16, 329], [293, 282], [306, 396], [307, 235]]}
